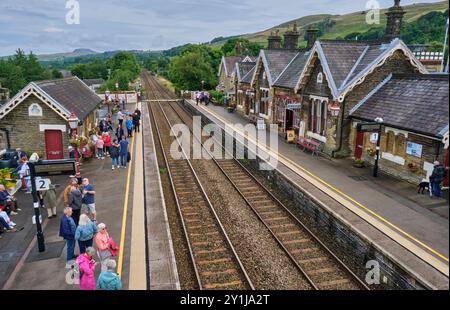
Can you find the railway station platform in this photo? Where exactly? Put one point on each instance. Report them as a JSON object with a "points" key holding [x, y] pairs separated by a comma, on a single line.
{"points": [[131, 204], [411, 229]]}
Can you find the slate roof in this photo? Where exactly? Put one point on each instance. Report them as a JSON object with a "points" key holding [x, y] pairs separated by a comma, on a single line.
{"points": [[72, 94], [90, 82], [341, 57], [247, 79], [230, 64], [242, 68], [414, 103], [346, 62], [289, 77], [276, 61]]}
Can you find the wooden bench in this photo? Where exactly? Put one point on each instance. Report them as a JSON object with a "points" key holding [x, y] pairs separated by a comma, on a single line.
{"points": [[309, 144]]}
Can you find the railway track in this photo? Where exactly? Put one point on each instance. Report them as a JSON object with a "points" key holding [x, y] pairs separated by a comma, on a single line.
{"points": [[216, 263], [319, 265]]}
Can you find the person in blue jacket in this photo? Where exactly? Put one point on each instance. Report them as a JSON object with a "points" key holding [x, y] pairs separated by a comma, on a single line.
{"points": [[67, 230], [109, 280], [129, 127]]}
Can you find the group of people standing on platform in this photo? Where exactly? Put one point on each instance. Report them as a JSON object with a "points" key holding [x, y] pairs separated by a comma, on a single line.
{"points": [[118, 148], [79, 224], [203, 97]]}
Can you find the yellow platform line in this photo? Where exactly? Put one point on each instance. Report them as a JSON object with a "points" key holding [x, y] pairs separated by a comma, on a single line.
{"points": [[125, 211], [318, 182], [138, 271]]}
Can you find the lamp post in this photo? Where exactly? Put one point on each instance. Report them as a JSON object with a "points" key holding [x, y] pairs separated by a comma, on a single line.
{"points": [[203, 85], [379, 120], [73, 123]]}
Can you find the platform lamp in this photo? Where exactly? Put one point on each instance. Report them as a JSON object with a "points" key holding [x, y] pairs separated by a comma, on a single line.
{"points": [[380, 121], [73, 124]]}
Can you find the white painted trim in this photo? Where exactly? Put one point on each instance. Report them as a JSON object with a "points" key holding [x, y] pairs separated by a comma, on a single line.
{"points": [[395, 159], [305, 68], [356, 65], [267, 69], [33, 89], [330, 81], [285, 68], [316, 136], [44, 127], [320, 98], [39, 108], [258, 64], [394, 46]]}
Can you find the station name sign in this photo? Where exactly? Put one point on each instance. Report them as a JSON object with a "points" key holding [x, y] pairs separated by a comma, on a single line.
{"points": [[54, 167], [369, 127]]}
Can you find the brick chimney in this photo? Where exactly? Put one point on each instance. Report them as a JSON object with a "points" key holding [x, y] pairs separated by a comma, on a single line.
{"points": [[274, 40], [238, 48], [311, 37], [394, 21], [291, 38], [4, 94]]}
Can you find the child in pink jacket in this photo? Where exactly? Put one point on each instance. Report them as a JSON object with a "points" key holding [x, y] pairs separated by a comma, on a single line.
{"points": [[87, 264]]}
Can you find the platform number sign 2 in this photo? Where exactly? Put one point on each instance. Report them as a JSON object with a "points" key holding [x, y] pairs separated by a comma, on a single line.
{"points": [[42, 184]]}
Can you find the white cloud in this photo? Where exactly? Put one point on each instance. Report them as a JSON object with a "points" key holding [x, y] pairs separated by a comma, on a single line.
{"points": [[53, 29], [149, 24]]}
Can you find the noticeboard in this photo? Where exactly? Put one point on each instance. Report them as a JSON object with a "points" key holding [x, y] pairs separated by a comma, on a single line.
{"points": [[414, 149], [54, 167], [369, 127]]}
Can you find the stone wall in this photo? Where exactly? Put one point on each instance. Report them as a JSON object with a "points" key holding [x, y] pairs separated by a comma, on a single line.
{"points": [[395, 144], [24, 129], [396, 64], [314, 88]]}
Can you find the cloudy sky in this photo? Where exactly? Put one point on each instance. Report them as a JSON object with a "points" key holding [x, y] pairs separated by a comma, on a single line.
{"points": [[40, 25]]}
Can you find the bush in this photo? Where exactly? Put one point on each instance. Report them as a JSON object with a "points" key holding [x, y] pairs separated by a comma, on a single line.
{"points": [[218, 96]]}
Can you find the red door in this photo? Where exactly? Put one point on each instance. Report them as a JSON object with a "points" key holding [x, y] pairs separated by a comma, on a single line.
{"points": [[54, 144], [359, 144]]}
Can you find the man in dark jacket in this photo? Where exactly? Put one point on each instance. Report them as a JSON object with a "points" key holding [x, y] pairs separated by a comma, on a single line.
{"points": [[436, 178], [120, 133], [67, 230], [136, 122]]}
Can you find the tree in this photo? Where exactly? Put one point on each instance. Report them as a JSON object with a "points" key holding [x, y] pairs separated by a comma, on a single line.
{"points": [[247, 48], [56, 74], [190, 69]]}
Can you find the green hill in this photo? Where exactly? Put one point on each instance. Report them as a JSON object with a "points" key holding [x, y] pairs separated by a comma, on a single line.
{"points": [[340, 26]]}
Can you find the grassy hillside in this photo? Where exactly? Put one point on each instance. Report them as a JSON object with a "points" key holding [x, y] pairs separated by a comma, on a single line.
{"points": [[339, 26]]}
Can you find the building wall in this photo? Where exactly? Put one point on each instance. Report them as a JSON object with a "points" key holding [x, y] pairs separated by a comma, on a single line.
{"points": [[396, 64], [394, 159], [24, 129], [226, 81], [314, 88]]}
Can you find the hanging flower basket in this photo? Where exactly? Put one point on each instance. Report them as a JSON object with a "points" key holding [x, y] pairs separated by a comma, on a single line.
{"points": [[371, 152]]}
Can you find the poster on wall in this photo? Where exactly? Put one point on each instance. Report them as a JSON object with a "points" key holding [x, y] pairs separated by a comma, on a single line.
{"points": [[414, 149]]}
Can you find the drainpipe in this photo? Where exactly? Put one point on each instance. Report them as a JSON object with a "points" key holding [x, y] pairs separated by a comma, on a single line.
{"points": [[341, 131], [8, 142]]}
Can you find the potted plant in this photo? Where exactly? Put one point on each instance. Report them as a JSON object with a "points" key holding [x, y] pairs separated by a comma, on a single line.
{"points": [[370, 152], [359, 163], [413, 167]]}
